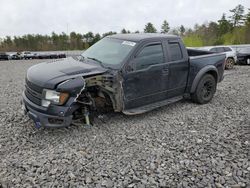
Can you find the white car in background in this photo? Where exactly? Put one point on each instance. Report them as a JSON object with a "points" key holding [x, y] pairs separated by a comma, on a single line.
{"points": [[231, 55], [27, 55]]}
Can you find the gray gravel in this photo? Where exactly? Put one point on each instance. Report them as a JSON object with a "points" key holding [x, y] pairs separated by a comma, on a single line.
{"points": [[180, 145]]}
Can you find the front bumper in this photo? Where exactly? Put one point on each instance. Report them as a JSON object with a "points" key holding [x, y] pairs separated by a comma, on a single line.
{"points": [[44, 117]]}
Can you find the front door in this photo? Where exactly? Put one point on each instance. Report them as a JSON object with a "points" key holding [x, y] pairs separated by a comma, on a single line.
{"points": [[147, 81]]}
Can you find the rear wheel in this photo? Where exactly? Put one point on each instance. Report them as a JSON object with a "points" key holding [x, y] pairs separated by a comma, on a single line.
{"points": [[229, 63], [205, 89]]}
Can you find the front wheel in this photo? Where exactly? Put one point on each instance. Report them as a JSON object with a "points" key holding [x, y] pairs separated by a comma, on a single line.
{"points": [[229, 63], [205, 89]]}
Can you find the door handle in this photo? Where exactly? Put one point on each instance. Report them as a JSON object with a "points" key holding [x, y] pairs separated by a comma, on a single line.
{"points": [[165, 70]]}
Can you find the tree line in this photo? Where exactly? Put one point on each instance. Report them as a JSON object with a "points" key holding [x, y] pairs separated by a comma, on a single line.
{"points": [[228, 30], [232, 29]]}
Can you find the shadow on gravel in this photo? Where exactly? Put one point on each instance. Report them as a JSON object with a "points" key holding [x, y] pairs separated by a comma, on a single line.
{"points": [[102, 122]]}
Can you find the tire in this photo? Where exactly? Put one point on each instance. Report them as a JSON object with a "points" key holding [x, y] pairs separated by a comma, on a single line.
{"points": [[205, 89], [229, 63]]}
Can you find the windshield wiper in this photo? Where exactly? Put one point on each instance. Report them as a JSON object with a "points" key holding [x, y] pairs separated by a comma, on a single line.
{"points": [[97, 60]]}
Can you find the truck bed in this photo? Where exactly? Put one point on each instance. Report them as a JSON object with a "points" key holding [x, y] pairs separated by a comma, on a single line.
{"points": [[194, 52], [205, 58], [198, 60]]}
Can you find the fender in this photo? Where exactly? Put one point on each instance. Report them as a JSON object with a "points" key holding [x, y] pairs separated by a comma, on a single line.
{"points": [[201, 73], [73, 86]]}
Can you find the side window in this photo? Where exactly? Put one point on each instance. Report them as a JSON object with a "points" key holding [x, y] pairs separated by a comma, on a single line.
{"points": [[220, 49], [213, 50], [226, 49], [149, 55], [175, 51]]}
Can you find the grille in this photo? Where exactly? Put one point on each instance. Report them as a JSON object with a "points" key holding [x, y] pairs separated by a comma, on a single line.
{"points": [[34, 87], [32, 98], [33, 92]]}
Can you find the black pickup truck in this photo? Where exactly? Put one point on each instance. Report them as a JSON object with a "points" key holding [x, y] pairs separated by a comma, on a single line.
{"points": [[129, 73]]}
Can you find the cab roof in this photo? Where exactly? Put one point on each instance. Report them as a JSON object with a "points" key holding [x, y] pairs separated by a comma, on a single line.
{"points": [[136, 37]]}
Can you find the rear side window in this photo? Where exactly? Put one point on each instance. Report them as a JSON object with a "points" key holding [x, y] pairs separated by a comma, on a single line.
{"points": [[221, 49], [151, 54], [226, 49], [175, 51]]}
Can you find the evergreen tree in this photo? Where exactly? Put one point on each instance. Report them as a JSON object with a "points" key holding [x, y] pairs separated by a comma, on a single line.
{"points": [[89, 37], [123, 31], [248, 17], [165, 27], [108, 33], [149, 28], [224, 25], [237, 19], [73, 40], [182, 30], [97, 38]]}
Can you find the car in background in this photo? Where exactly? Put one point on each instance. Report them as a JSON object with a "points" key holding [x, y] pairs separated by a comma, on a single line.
{"points": [[243, 56], [27, 55], [14, 56], [43, 55], [231, 55], [61, 55], [4, 56]]}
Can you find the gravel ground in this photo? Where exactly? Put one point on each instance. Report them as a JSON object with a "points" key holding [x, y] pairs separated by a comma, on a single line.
{"points": [[180, 145]]}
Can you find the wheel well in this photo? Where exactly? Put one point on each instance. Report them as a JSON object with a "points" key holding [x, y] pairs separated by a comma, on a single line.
{"points": [[206, 70], [230, 58], [214, 74], [108, 98]]}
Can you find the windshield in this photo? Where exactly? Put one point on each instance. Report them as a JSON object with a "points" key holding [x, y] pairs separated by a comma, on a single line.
{"points": [[109, 51], [244, 50]]}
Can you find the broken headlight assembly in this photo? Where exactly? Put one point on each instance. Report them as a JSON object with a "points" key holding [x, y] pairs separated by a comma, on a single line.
{"points": [[53, 97]]}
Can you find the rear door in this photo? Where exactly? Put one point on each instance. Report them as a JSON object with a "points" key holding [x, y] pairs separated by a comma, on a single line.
{"points": [[178, 67], [146, 80]]}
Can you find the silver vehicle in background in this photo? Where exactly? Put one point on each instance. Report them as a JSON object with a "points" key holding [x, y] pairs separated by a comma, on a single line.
{"points": [[14, 56], [27, 55], [231, 55]]}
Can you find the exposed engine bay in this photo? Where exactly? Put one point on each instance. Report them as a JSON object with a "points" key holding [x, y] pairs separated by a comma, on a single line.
{"points": [[98, 95]]}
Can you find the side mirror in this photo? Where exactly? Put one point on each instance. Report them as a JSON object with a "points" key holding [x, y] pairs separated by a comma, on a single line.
{"points": [[130, 66], [79, 58]]}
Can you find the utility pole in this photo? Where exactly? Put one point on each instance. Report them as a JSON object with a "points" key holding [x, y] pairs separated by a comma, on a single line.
{"points": [[68, 40]]}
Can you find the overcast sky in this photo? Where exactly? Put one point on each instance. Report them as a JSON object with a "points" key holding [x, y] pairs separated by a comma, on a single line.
{"points": [[18, 17]]}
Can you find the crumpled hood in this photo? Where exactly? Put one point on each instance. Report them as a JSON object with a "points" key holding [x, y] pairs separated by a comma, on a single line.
{"points": [[49, 74]]}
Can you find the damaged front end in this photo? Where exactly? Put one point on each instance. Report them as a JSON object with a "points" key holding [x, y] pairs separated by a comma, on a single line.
{"points": [[72, 100], [100, 94]]}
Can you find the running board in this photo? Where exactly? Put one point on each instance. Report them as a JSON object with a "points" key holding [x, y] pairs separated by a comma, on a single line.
{"points": [[149, 107]]}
